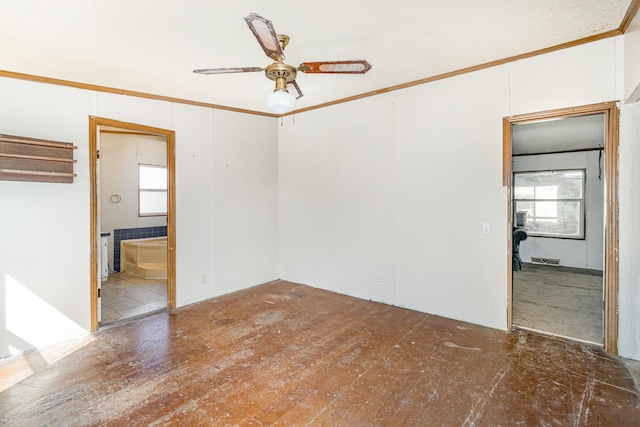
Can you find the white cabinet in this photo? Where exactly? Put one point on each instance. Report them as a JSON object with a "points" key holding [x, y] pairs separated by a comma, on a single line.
{"points": [[104, 256]]}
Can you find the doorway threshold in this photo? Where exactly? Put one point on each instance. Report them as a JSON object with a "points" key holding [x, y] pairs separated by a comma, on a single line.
{"points": [[551, 334], [127, 320]]}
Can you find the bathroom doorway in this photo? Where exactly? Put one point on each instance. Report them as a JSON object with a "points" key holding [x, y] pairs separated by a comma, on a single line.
{"points": [[563, 192], [133, 217]]}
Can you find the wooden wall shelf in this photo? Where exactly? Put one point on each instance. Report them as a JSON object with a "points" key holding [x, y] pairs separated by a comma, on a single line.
{"points": [[35, 160]]}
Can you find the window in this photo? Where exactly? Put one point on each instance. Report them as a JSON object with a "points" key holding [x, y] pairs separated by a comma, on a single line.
{"points": [[152, 190], [553, 202]]}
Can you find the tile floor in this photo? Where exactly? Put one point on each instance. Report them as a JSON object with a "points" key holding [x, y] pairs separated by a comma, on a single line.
{"points": [[126, 295], [560, 301]]}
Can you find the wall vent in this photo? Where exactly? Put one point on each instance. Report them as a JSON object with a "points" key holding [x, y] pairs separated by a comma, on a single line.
{"points": [[545, 261]]}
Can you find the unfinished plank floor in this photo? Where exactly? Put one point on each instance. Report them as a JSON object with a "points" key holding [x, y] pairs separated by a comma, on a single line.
{"points": [[287, 354], [559, 301]]}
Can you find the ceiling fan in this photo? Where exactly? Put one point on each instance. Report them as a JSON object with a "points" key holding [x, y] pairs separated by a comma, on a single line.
{"points": [[280, 100]]}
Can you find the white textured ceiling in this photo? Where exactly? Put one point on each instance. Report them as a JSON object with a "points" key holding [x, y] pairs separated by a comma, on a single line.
{"points": [[556, 135], [152, 46]]}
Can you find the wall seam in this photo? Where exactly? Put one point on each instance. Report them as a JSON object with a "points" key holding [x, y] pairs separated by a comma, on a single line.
{"points": [[393, 199]]}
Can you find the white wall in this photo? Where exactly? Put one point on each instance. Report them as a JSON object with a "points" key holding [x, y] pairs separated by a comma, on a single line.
{"points": [[449, 183], [336, 198], [631, 58], [586, 253], [395, 186], [342, 225], [629, 298], [194, 189], [120, 155], [581, 75], [44, 228], [245, 203], [629, 292]]}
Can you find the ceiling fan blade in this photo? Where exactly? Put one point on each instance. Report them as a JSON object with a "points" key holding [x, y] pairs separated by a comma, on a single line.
{"points": [[335, 67], [266, 35], [228, 70], [296, 89]]}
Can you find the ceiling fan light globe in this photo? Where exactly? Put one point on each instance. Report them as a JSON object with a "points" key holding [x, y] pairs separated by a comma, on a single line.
{"points": [[280, 101]]}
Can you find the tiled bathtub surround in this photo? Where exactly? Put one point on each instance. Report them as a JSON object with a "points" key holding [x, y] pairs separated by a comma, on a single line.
{"points": [[133, 233]]}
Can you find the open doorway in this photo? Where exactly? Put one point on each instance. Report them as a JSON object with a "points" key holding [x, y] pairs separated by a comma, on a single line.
{"points": [[132, 203], [561, 172], [132, 218], [558, 200]]}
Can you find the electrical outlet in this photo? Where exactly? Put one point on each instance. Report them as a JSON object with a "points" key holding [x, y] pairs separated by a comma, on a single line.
{"points": [[380, 280], [486, 228], [203, 278]]}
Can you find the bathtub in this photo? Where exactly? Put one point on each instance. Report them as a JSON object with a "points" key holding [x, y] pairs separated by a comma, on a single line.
{"points": [[144, 257]]}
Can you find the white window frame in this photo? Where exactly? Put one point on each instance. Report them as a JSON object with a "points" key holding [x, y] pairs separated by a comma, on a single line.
{"points": [[580, 201], [150, 190]]}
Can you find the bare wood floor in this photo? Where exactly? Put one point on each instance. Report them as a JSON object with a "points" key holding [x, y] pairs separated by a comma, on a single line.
{"points": [[287, 354], [560, 301]]}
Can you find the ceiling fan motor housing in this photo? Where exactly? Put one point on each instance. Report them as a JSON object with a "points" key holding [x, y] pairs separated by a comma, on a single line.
{"points": [[281, 73]]}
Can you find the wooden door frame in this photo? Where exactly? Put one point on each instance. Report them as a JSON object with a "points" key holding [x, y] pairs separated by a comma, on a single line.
{"points": [[169, 135], [611, 114]]}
